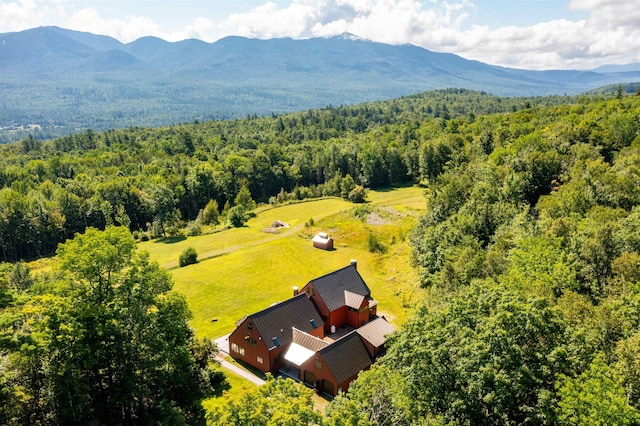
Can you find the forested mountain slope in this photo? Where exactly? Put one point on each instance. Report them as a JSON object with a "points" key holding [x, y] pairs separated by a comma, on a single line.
{"points": [[528, 250], [153, 179], [56, 81]]}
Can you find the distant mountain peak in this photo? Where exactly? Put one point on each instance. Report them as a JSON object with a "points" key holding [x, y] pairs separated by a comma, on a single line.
{"points": [[347, 36]]}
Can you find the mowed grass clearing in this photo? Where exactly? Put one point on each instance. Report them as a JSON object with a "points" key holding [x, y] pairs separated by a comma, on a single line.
{"points": [[251, 269], [167, 251]]}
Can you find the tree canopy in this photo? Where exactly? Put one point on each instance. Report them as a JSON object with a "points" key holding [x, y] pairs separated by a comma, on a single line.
{"points": [[107, 343], [528, 251]]}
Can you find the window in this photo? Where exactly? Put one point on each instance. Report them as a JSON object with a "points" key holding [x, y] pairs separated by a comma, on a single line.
{"points": [[318, 365], [249, 326], [276, 341], [237, 349], [313, 323], [260, 360]]}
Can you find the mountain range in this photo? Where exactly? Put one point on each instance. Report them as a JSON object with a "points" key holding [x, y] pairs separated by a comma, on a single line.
{"points": [[56, 81]]}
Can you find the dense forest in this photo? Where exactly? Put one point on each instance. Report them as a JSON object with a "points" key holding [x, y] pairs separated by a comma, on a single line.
{"points": [[529, 252], [155, 181]]}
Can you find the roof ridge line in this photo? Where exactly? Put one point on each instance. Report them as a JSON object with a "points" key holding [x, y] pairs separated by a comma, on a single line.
{"points": [[333, 272], [277, 304]]}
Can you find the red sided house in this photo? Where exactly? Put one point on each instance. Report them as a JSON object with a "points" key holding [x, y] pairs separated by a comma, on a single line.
{"points": [[331, 369], [290, 336], [374, 335], [342, 297], [259, 339]]}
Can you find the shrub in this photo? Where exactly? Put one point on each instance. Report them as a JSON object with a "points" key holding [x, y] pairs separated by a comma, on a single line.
{"points": [[210, 214], [237, 216], [361, 212], [194, 229], [358, 194], [375, 246], [188, 257]]}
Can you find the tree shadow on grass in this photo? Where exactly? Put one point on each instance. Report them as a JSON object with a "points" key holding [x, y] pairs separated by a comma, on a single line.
{"points": [[394, 187], [220, 388], [171, 240]]}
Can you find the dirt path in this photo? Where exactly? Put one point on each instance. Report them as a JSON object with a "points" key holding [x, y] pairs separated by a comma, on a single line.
{"points": [[241, 372]]}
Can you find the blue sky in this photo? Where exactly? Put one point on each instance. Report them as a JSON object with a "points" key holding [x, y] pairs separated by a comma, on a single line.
{"points": [[542, 34]]}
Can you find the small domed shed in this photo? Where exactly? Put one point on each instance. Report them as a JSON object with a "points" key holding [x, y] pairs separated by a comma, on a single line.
{"points": [[322, 241]]}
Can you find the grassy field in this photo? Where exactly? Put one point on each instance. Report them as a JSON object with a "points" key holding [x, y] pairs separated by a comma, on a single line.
{"points": [[167, 251], [247, 269], [244, 270]]}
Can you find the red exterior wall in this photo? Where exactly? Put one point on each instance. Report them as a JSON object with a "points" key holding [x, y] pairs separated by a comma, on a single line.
{"points": [[357, 319], [373, 351], [340, 316], [244, 338], [337, 317], [311, 292], [276, 358], [323, 375], [364, 314]]}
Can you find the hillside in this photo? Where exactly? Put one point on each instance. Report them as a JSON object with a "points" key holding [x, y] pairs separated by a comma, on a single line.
{"points": [[526, 252], [156, 179], [58, 81]]}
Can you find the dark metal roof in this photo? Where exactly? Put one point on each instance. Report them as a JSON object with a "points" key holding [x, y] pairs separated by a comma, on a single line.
{"points": [[346, 357], [331, 287], [277, 320], [376, 331]]}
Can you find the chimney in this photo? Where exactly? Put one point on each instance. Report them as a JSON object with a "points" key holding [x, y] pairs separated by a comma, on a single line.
{"points": [[354, 263], [295, 290]]}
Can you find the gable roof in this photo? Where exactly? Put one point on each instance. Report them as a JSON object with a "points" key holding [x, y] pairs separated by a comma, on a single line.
{"points": [[332, 287], [274, 323], [303, 347], [308, 341], [353, 300], [376, 331], [346, 357]]}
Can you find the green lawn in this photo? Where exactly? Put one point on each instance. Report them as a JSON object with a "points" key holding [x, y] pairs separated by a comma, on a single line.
{"points": [[167, 252], [244, 270], [248, 269]]}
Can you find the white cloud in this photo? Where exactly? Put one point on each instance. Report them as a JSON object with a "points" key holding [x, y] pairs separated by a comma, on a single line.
{"points": [[23, 14], [609, 33], [18, 15], [126, 29]]}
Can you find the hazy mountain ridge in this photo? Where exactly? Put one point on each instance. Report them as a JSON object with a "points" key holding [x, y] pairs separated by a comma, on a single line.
{"points": [[67, 80]]}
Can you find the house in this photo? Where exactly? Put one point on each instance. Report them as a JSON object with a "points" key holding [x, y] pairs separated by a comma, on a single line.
{"points": [[331, 369], [259, 339], [374, 335], [322, 241], [330, 366], [303, 346], [291, 336], [342, 298]]}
